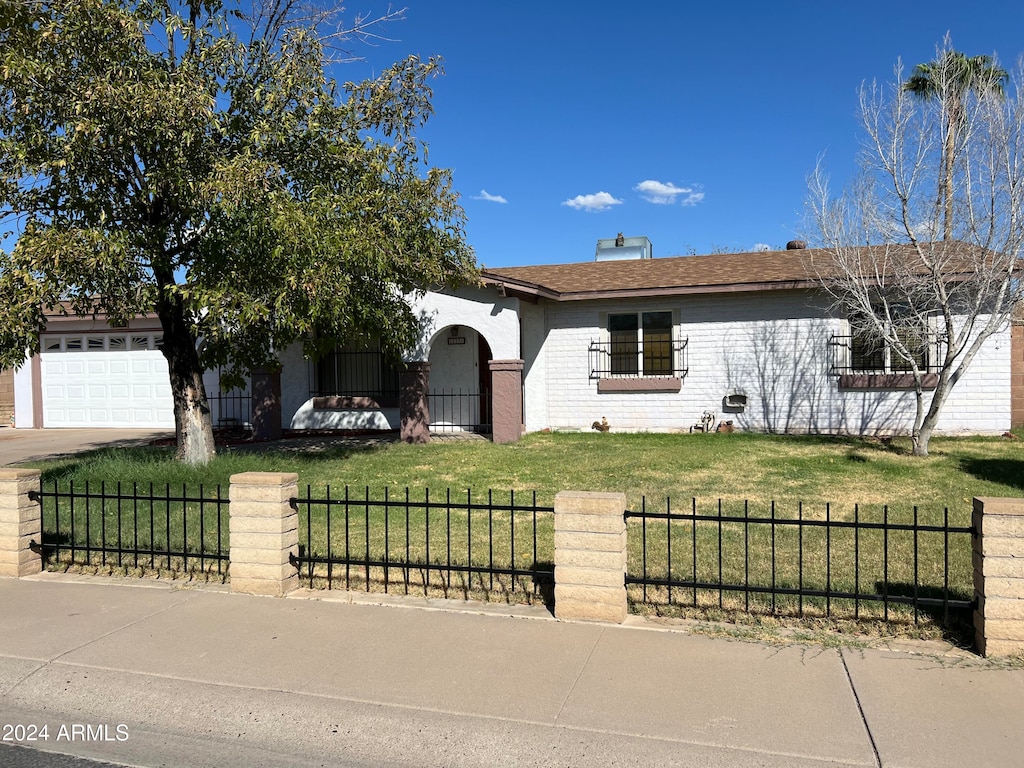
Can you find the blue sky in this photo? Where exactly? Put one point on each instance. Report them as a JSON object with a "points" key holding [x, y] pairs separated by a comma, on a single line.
{"points": [[698, 122]]}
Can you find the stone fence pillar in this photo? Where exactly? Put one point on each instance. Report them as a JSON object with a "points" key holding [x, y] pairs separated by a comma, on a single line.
{"points": [[999, 576], [590, 556], [21, 521], [506, 400], [264, 533]]}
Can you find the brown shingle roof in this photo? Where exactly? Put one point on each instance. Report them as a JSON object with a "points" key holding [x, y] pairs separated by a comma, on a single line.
{"points": [[663, 276], [759, 271]]}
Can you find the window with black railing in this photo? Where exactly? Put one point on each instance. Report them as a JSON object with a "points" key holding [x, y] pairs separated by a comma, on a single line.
{"points": [[355, 371], [866, 354], [909, 343], [870, 354], [638, 345]]}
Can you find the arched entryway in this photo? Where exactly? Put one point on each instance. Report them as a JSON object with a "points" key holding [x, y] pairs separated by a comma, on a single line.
{"points": [[459, 393]]}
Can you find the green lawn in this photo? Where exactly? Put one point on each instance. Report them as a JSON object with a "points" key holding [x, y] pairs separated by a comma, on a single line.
{"points": [[761, 468], [743, 474]]}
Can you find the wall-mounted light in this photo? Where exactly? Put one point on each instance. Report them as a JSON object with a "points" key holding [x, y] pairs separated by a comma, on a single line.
{"points": [[455, 338]]}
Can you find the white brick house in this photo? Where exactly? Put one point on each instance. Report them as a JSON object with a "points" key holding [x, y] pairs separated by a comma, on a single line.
{"points": [[749, 337]]}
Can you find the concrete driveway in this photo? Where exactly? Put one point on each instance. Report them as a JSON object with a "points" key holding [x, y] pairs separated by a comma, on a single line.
{"points": [[18, 446]]}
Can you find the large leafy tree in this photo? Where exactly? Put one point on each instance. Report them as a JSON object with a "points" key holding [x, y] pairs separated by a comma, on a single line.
{"points": [[930, 301], [193, 159], [948, 82]]}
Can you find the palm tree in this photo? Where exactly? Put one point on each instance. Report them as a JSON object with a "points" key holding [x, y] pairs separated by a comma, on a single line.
{"points": [[950, 78]]}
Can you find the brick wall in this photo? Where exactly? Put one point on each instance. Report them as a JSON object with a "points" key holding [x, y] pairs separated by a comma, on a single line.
{"points": [[772, 345]]}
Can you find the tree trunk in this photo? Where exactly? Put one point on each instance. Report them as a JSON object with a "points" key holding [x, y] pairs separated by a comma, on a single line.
{"points": [[923, 434], [948, 152], [193, 426], [920, 441], [947, 189]]}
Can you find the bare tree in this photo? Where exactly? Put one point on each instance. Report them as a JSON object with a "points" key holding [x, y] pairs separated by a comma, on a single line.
{"points": [[922, 249], [336, 31]]}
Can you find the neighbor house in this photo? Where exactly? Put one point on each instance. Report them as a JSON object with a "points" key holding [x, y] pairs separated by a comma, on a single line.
{"points": [[647, 344]]}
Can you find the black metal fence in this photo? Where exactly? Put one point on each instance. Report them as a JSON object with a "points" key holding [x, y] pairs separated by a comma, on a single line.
{"points": [[457, 410], [140, 529], [231, 409], [453, 545], [801, 561]]}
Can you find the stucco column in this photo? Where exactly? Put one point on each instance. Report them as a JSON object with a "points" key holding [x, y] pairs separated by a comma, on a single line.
{"points": [[21, 521], [999, 576], [413, 408], [506, 400], [266, 404]]}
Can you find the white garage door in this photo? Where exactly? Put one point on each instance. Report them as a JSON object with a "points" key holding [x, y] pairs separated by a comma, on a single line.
{"points": [[105, 380]]}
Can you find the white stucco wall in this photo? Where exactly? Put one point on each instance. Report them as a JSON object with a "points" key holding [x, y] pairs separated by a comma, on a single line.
{"points": [[294, 385], [484, 310], [453, 367], [23, 395], [536, 364], [773, 345]]}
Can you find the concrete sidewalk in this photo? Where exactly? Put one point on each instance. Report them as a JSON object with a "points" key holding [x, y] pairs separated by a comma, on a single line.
{"points": [[202, 677]]}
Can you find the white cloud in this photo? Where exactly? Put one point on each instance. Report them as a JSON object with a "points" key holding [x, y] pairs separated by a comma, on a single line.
{"points": [[666, 193], [692, 197], [601, 201], [761, 247], [485, 195], [658, 191]]}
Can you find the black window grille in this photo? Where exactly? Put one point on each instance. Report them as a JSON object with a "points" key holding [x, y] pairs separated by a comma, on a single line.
{"points": [[354, 371], [638, 344], [865, 353], [660, 356]]}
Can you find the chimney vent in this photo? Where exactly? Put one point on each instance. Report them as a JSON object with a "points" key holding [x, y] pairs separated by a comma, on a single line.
{"points": [[623, 248]]}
